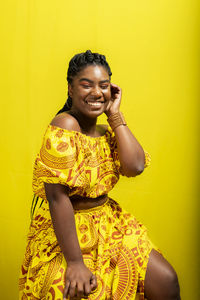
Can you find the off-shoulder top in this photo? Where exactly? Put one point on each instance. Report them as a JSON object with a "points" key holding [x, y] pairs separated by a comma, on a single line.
{"points": [[88, 166]]}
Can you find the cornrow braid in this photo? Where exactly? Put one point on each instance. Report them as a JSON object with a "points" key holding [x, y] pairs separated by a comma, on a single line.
{"points": [[77, 64]]}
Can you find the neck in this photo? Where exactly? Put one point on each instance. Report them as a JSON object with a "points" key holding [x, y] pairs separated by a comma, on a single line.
{"points": [[88, 125]]}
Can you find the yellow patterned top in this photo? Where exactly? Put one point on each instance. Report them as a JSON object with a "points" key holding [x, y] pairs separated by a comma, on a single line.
{"points": [[88, 166]]}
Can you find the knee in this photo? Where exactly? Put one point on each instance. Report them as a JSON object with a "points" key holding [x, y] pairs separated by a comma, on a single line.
{"points": [[161, 281], [171, 284]]}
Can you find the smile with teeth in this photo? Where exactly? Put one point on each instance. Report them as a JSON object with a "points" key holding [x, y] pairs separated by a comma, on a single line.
{"points": [[94, 103]]}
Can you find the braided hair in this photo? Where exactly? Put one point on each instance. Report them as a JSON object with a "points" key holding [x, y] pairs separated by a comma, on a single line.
{"points": [[77, 64]]}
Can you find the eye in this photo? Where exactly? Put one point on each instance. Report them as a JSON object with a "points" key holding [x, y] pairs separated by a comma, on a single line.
{"points": [[85, 86], [104, 86]]}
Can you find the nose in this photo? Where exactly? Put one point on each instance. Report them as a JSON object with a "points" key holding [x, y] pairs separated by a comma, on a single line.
{"points": [[96, 91]]}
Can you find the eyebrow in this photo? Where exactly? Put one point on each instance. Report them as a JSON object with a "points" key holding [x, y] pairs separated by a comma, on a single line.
{"points": [[90, 81]]}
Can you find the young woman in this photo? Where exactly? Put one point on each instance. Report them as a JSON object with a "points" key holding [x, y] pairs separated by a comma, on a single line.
{"points": [[82, 244]]}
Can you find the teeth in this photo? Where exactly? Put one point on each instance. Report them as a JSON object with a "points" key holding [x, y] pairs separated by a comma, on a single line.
{"points": [[94, 103]]}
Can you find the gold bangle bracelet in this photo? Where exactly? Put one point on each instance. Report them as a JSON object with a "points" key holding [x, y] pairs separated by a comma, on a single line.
{"points": [[116, 119]]}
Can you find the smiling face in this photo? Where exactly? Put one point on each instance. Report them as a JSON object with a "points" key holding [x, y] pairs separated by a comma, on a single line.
{"points": [[90, 91]]}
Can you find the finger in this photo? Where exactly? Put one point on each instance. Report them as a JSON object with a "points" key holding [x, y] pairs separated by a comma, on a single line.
{"points": [[93, 282], [80, 290], [72, 289], [114, 85], [87, 289], [115, 88], [66, 290], [116, 95]]}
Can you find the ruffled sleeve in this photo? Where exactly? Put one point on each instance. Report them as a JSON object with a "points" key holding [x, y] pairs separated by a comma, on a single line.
{"points": [[115, 155], [59, 160]]}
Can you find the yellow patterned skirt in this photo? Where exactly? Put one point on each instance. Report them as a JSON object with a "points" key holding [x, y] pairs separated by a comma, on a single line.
{"points": [[115, 247]]}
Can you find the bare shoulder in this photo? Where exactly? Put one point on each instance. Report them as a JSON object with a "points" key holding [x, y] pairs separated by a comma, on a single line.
{"points": [[66, 121]]}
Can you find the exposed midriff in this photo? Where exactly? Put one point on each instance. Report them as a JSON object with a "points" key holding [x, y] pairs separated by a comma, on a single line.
{"points": [[79, 202]]}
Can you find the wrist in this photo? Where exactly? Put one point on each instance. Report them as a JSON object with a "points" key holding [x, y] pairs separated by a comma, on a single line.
{"points": [[116, 119], [74, 256], [108, 114], [75, 262]]}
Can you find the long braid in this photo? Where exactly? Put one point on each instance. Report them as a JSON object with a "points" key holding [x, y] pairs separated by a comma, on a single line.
{"points": [[77, 64]]}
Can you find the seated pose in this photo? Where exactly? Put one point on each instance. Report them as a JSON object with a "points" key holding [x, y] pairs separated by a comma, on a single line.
{"points": [[81, 243]]}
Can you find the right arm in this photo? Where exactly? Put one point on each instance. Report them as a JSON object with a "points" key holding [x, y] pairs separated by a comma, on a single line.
{"points": [[63, 221], [78, 276]]}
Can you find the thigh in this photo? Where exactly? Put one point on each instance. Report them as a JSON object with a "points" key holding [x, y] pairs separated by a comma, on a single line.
{"points": [[161, 280]]}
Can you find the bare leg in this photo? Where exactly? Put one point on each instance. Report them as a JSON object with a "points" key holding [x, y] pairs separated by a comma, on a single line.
{"points": [[161, 281]]}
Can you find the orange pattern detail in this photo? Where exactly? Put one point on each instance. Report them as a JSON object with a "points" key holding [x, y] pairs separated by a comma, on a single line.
{"points": [[114, 245], [112, 251], [68, 157]]}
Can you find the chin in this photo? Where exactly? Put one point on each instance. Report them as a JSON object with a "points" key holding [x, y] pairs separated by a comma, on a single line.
{"points": [[95, 114]]}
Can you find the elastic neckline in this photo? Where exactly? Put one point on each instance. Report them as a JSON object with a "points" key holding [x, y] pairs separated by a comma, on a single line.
{"points": [[80, 133]]}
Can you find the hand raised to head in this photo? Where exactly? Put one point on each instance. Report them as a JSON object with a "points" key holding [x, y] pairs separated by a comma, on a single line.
{"points": [[115, 100]]}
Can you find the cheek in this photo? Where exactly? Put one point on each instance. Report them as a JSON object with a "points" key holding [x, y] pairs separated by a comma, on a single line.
{"points": [[107, 95], [81, 93]]}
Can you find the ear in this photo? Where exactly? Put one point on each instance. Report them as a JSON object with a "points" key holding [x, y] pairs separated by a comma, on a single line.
{"points": [[70, 91]]}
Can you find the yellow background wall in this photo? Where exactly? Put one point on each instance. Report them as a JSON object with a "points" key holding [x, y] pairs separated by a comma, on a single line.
{"points": [[152, 48]]}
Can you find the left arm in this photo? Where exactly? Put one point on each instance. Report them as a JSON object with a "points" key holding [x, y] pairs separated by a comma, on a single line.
{"points": [[130, 152]]}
